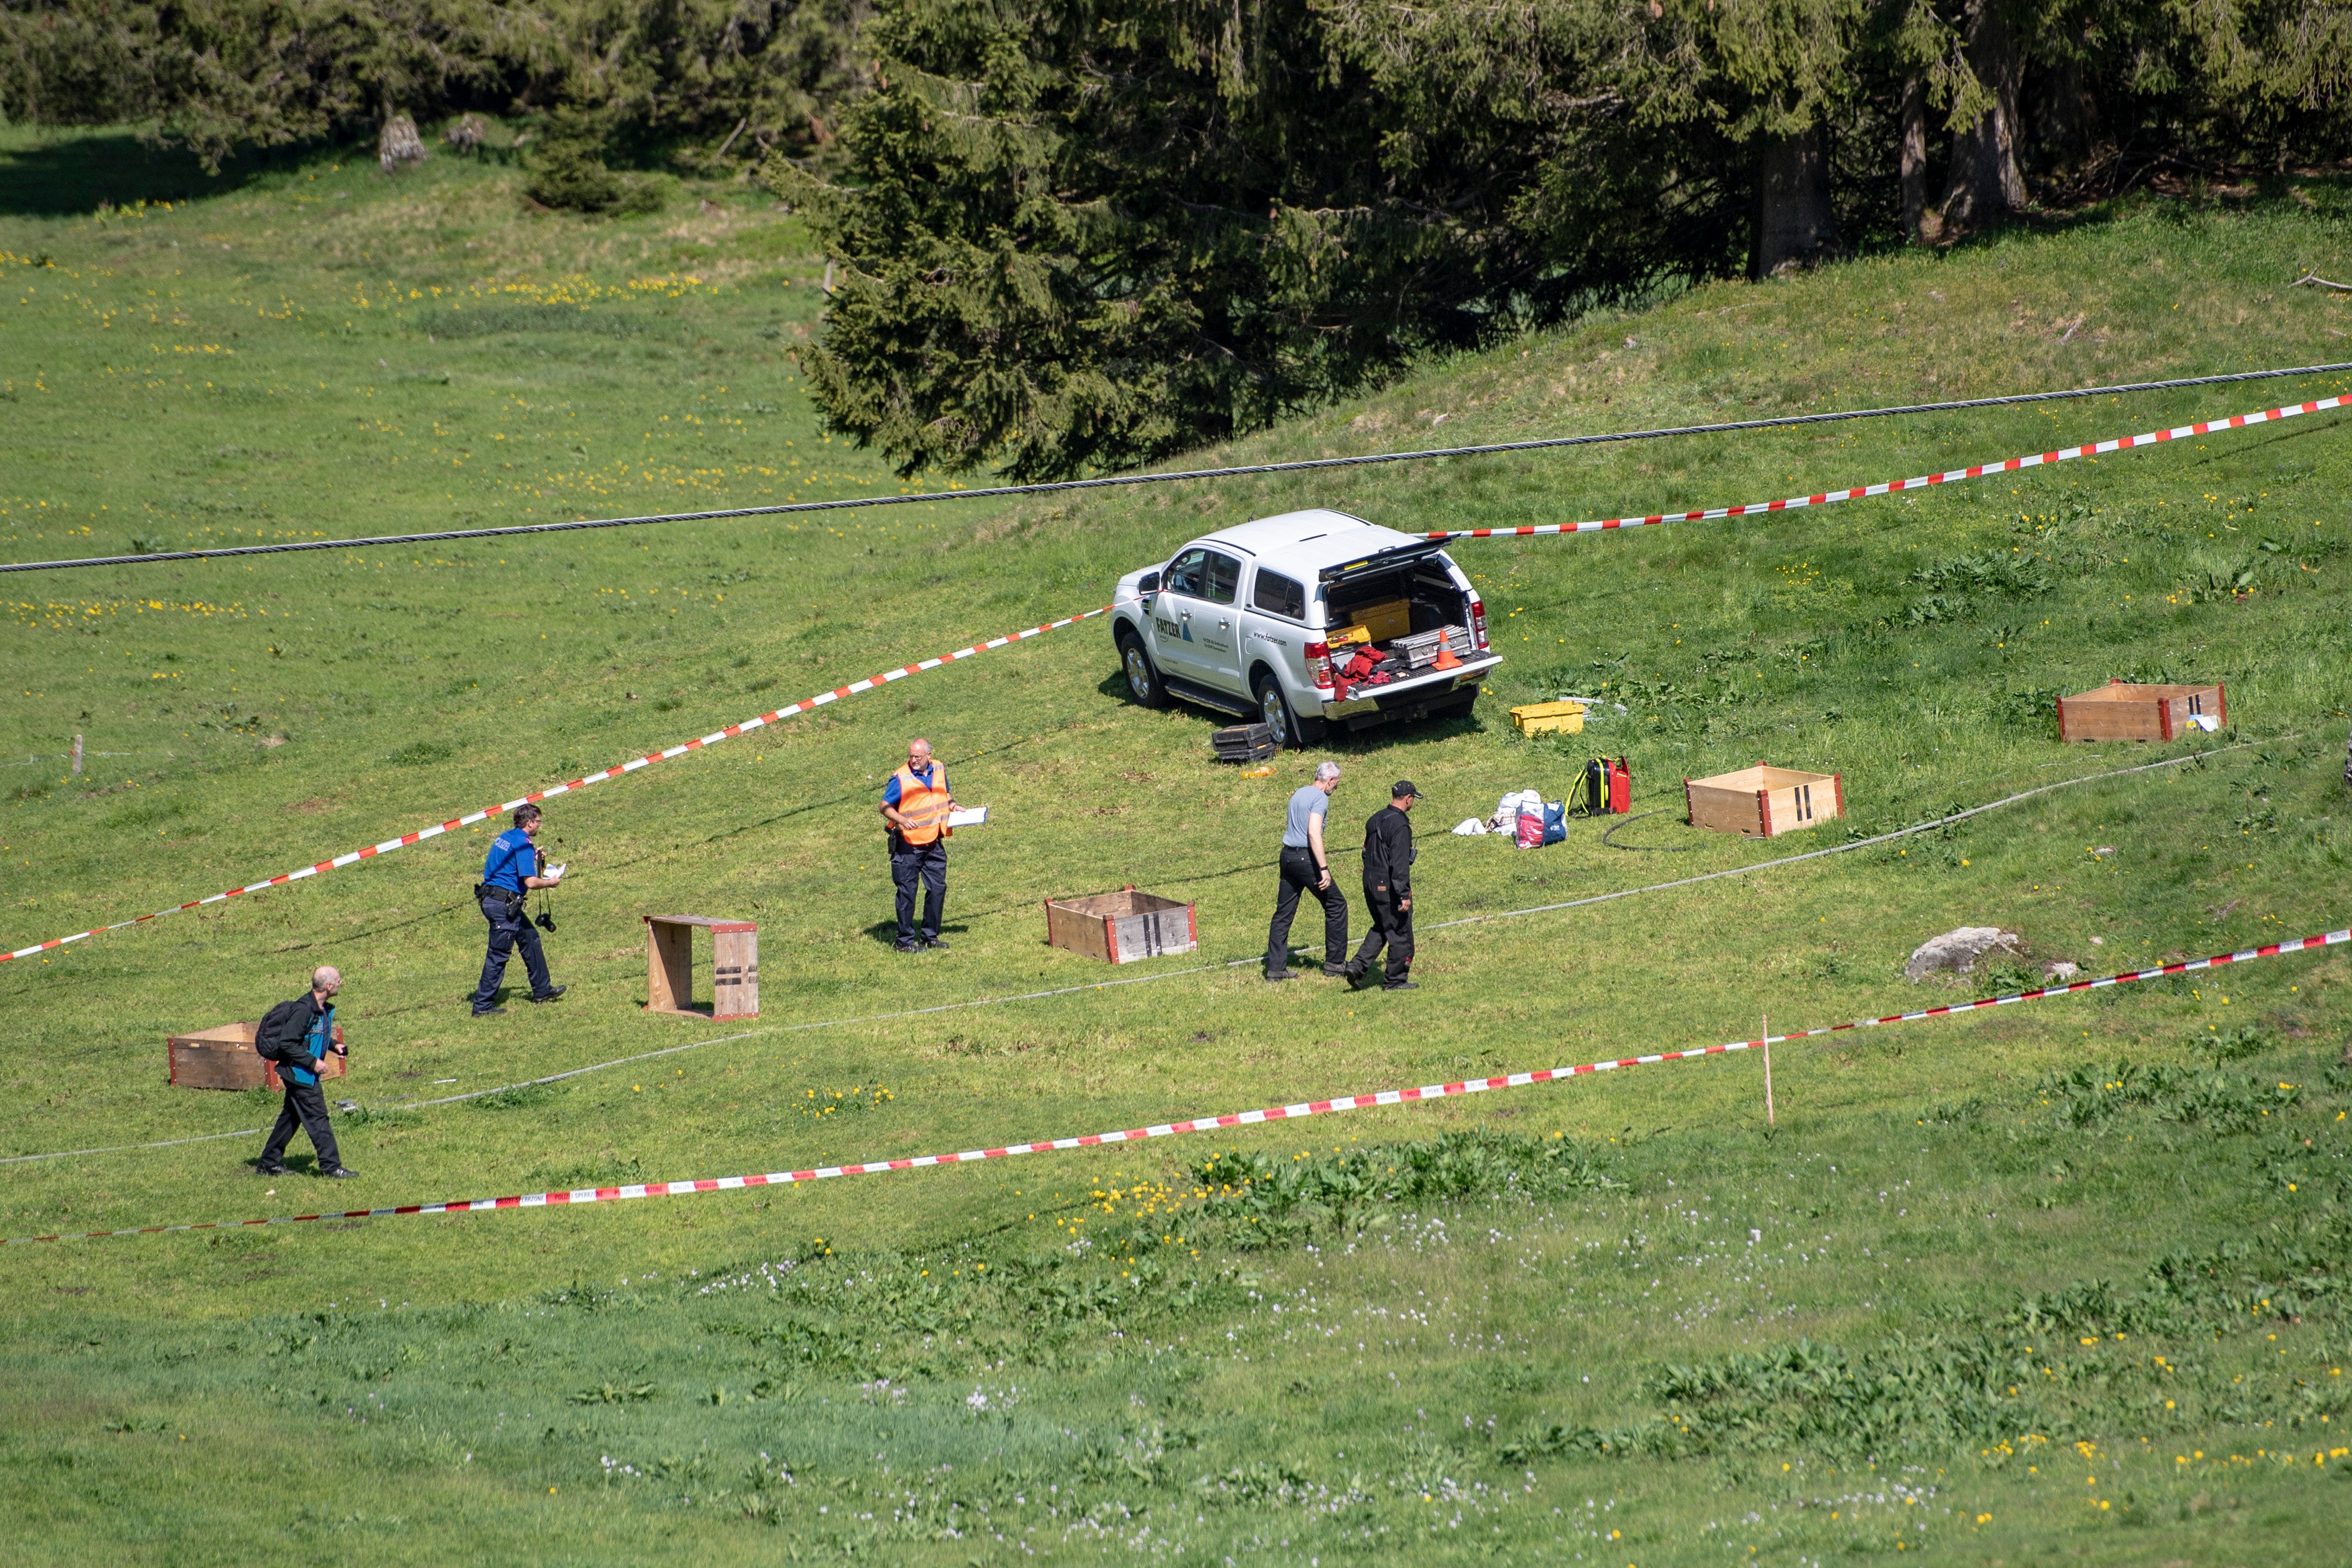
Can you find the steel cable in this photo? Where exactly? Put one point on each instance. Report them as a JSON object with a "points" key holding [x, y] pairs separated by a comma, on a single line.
{"points": [[1111, 481]]}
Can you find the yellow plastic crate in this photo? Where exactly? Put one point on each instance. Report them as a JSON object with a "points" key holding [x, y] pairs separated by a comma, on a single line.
{"points": [[1549, 719]]}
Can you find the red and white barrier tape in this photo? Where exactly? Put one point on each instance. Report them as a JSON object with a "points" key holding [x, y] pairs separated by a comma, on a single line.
{"points": [[373, 850], [2125, 443], [1950, 476], [1199, 1124]]}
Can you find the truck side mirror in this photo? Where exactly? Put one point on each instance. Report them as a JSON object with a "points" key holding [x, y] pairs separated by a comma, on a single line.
{"points": [[1147, 584]]}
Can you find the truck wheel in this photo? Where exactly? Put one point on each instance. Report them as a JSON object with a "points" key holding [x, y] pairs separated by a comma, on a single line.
{"points": [[1142, 678], [1273, 712]]}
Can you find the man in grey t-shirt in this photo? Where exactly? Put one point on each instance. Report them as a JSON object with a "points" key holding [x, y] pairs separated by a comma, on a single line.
{"points": [[1306, 865]]}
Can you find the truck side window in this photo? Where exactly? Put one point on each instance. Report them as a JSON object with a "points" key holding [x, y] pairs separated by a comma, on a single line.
{"points": [[1225, 579], [1185, 574], [1278, 595]]}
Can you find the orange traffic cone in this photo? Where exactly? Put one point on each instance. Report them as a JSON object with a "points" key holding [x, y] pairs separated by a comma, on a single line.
{"points": [[1445, 660]]}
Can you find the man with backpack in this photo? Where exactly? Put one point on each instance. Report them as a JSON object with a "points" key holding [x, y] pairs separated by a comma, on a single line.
{"points": [[297, 1037]]}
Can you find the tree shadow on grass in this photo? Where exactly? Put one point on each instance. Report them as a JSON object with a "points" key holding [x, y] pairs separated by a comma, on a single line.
{"points": [[64, 174]]}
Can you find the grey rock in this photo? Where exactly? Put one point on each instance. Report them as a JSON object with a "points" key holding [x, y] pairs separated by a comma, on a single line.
{"points": [[1957, 951], [2062, 970]]}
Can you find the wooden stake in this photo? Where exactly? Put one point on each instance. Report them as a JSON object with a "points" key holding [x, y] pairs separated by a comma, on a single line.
{"points": [[1770, 1121], [76, 754]]}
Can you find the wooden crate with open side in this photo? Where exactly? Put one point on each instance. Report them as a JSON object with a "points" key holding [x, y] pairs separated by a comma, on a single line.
{"points": [[2122, 712], [734, 967], [1121, 926], [1764, 802], [224, 1058]]}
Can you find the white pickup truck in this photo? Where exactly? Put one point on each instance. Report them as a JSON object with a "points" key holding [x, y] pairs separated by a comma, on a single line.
{"points": [[1240, 620]]}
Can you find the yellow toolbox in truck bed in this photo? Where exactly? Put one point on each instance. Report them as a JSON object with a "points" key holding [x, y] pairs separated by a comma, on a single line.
{"points": [[1382, 622]]}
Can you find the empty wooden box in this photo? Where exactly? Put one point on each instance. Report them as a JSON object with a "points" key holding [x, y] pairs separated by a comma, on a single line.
{"points": [[2119, 711], [734, 965], [224, 1058], [1763, 802], [1121, 926]]}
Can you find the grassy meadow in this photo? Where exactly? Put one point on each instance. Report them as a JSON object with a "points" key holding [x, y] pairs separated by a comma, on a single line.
{"points": [[1613, 1320]]}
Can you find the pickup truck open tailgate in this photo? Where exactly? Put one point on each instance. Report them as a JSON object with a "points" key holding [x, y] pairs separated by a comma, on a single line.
{"points": [[1413, 690]]}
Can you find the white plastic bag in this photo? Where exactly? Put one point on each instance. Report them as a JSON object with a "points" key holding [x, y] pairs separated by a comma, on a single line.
{"points": [[1508, 810]]}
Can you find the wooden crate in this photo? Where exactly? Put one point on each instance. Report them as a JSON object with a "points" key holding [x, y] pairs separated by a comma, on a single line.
{"points": [[734, 967], [1121, 926], [1548, 717], [2119, 711], [1763, 802], [224, 1058]]}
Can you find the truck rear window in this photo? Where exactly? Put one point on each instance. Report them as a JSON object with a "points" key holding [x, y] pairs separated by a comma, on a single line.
{"points": [[1278, 595]]}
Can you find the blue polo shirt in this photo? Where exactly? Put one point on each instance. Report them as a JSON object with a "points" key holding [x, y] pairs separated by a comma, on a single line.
{"points": [[511, 859], [934, 777]]}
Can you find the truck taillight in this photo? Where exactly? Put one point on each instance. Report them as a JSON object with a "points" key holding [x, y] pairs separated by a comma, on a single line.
{"points": [[1478, 622], [1318, 663]]}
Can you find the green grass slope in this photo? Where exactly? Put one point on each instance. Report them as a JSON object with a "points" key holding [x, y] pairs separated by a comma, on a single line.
{"points": [[2067, 1275]]}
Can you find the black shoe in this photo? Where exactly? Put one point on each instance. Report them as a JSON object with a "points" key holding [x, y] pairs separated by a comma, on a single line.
{"points": [[551, 993], [486, 1012], [931, 941], [340, 1174], [1340, 971], [269, 1170], [910, 947], [1355, 975], [1280, 975], [1398, 985]]}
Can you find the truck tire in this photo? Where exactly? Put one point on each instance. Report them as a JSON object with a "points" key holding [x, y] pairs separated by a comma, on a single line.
{"points": [[1273, 712], [1143, 682]]}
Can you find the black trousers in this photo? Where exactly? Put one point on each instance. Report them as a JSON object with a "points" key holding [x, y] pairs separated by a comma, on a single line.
{"points": [[1299, 876], [926, 864], [509, 929], [305, 1107], [1393, 929]]}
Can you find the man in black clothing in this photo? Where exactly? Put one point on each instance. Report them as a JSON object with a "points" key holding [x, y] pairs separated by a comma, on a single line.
{"points": [[302, 1038], [1388, 888]]}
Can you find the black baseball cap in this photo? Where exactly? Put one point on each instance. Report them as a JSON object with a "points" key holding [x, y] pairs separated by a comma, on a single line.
{"points": [[1403, 788]]}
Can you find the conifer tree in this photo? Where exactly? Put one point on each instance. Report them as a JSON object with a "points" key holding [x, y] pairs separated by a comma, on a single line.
{"points": [[1082, 233]]}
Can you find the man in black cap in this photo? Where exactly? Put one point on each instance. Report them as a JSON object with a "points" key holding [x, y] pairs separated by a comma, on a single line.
{"points": [[1388, 888]]}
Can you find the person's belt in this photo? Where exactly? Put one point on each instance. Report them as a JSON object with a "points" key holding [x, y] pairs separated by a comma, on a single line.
{"points": [[485, 891]]}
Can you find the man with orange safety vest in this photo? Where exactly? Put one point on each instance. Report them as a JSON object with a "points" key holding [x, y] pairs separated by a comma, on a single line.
{"points": [[916, 802]]}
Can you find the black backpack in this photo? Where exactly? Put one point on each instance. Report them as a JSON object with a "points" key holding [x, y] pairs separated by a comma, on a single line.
{"points": [[280, 1035]]}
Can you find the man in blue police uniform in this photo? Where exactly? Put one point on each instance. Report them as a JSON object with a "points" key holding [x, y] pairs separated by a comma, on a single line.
{"points": [[511, 870], [305, 1034]]}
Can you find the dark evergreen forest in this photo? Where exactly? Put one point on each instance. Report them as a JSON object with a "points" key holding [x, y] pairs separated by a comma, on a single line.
{"points": [[1077, 234]]}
